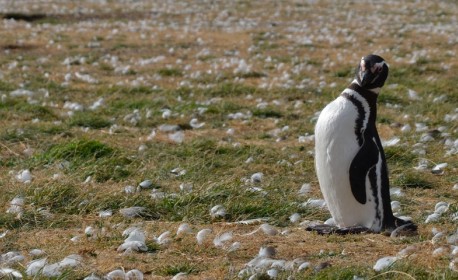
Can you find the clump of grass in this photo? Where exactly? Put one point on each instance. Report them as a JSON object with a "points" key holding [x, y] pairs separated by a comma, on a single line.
{"points": [[174, 269], [170, 72], [30, 132], [345, 72], [267, 113], [91, 120], [16, 135], [61, 198], [252, 75], [78, 149], [89, 158], [413, 180], [387, 97], [399, 156], [230, 89]]}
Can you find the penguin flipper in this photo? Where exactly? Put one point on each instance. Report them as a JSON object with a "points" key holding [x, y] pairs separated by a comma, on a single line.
{"points": [[360, 166]]}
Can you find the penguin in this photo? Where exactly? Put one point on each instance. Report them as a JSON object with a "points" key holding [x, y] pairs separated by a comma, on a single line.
{"points": [[349, 158]]}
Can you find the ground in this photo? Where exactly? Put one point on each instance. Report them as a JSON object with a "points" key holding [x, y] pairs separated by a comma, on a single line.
{"points": [[97, 96]]}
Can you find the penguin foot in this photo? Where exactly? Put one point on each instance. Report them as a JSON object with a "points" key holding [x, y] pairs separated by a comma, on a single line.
{"points": [[327, 229], [404, 228]]}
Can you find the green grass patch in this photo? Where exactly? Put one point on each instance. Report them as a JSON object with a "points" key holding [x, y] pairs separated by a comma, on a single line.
{"points": [[411, 179], [267, 113], [81, 149], [170, 72], [174, 269], [230, 89], [399, 156], [89, 158], [89, 119]]}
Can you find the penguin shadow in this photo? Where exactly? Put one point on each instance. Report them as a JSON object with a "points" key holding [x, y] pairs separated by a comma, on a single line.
{"points": [[406, 229]]}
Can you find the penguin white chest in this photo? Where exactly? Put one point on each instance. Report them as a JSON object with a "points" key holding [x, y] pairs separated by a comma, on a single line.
{"points": [[336, 145]]}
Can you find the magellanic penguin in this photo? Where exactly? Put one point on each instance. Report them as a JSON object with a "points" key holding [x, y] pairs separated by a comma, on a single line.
{"points": [[349, 157]]}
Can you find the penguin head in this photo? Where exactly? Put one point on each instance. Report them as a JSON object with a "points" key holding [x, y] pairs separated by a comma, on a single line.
{"points": [[372, 72]]}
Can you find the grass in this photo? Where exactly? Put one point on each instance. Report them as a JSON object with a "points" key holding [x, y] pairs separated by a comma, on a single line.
{"points": [[81, 162]]}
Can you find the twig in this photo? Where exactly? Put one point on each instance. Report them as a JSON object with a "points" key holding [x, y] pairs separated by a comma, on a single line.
{"points": [[11, 151], [393, 271]]}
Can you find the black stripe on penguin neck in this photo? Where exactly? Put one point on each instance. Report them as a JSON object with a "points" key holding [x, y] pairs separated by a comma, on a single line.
{"points": [[371, 98], [359, 122]]}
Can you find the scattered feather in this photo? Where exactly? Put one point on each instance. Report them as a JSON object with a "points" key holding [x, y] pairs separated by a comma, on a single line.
{"points": [[89, 231], [8, 273], [105, 213], [116, 274], [92, 277], [134, 274], [268, 229], [441, 207], [218, 211], [257, 177], [384, 262], [439, 169], [36, 252], [36, 266], [219, 240], [439, 251], [24, 176], [194, 123], [330, 222], [186, 187], [177, 137], [3, 234], [163, 239], [395, 206], [184, 229], [267, 252], [391, 142], [146, 184], [305, 189], [409, 250], [294, 218], [132, 246], [202, 235], [272, 273], [396, 192], [252, 221], [234, 247], [304, 266], [434, 217], [180, 276], [315, 203], [132, 212]]}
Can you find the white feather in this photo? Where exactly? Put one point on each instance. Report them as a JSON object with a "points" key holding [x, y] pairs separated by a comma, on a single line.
{"points": [[134, 274], [34, 267], [116, 274], [202, 234], [133, 246], [163, 239], [384, 263], [221, 239], [184, 228], [9, 273], [268, 229]]}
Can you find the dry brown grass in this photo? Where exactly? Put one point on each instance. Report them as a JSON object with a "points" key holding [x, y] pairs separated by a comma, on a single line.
{"points": [[399, 31]]}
